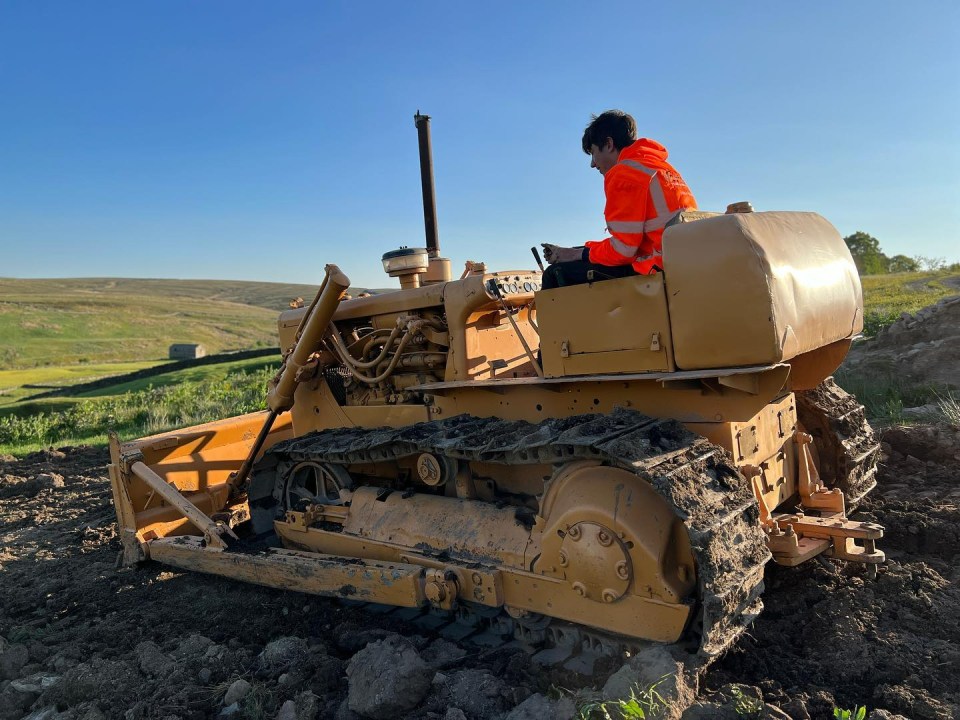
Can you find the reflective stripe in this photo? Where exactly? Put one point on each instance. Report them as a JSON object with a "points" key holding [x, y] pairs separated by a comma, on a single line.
{"points": [[639, 166], [636, 226], [661, 221], [658, 198], [628, 251], [627, 226]]}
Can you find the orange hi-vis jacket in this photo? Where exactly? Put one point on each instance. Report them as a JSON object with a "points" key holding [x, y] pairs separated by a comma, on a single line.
{"points": [[644, 192]]}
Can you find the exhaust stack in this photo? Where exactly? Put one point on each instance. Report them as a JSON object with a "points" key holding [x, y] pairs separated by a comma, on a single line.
{"points": [[433, 269], [426, 181]]}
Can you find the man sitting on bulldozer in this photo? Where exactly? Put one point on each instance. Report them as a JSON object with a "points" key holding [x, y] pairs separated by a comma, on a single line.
{"points": [[643, 194]]}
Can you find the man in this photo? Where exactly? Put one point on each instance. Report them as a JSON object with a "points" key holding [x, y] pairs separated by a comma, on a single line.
{"points": [[644, 193]]}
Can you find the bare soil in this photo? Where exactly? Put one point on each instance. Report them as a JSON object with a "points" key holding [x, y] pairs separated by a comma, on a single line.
{"points": [[79, 639]]}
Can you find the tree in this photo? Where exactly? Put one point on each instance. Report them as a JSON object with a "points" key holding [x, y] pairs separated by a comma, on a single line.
{"points": [[866, 252], [931, 263], [902, 263]]}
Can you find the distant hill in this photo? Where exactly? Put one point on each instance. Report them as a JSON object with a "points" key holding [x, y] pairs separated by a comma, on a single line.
{"points": [[96, 320]]}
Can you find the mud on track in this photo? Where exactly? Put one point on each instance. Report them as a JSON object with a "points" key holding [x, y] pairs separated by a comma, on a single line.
{"points": [[156, 643]]}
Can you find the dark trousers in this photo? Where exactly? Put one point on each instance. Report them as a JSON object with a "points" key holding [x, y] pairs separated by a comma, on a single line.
{"points": [[579, 272]]}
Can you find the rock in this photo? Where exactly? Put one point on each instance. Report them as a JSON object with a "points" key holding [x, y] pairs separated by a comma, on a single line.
{"points": [[307, 706], [478, 693], [204, 675], [105, 681], [538, 706], [345, 713], [774, 713], [655, 666], [12, 661], [139, 711], [89, 711], [36, 683], [288, 711], [387, 678], [327, 675], [230, 710], [193, 646], [454, 714], [930, 411], [796, 709], [215, 652], [13, 703], [442, 654], [880, 714], [153, 662], [47, 713], [61, 662], [281, 653], [351, 638], [46, 481], [236, 692]]}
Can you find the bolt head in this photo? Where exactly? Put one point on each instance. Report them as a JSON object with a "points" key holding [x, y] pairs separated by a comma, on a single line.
{"points": [[435, 592]]}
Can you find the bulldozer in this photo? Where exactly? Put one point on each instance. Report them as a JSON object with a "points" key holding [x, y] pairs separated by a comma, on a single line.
{"points": [[614, 462]]}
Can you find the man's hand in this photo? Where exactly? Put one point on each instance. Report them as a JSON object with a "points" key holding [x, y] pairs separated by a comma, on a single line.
{"points": [[556, 254]]}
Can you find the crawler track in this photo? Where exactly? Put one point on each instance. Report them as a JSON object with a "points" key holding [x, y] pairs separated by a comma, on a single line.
{"points": [[696, 478], [845, 443]]}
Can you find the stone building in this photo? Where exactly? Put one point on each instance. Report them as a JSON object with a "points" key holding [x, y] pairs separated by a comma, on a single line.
{"points": [[187, 351]]}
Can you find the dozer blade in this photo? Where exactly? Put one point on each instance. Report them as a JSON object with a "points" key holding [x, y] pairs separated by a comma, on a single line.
{"points": [[153, 477]]}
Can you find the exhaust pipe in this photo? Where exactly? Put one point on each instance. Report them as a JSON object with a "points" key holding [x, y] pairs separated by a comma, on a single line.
{"points": [[426, 181]]}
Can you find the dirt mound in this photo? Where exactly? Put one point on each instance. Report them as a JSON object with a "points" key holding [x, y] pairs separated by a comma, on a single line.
{"points": [[830, 635], [81, 641], [923, 349]]}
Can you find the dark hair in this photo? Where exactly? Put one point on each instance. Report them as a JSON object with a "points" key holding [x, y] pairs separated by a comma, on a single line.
{"points": [[615, 124]]}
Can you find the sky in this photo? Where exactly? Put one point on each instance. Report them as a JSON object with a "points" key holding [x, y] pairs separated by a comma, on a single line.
{"points": [[227, 139]]}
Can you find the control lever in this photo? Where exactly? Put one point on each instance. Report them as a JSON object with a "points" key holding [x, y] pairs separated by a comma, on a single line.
{"points": [[494, 290], [536, 256]]}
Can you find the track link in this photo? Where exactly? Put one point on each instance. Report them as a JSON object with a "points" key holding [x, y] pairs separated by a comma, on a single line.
{"points": [[696, 478], [847, 448]]}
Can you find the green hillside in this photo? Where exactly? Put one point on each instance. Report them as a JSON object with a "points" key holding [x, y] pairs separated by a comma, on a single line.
{"points": [[885, 297], [104, 320]]}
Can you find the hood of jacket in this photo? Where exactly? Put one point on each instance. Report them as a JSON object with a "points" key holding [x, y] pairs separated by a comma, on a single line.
{"points": [[644, 149]]}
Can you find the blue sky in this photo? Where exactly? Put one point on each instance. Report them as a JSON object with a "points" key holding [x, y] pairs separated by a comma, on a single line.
{"points": [[259, 141]]}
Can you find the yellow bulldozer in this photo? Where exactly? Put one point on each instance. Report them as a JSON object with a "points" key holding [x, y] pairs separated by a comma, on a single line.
{"points": [[614, 461]]}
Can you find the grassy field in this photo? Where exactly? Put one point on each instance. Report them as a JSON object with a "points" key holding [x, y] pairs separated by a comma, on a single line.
{"points": [[54, 323], [173, 400], [199, 374], [885, 297], [18, 384]]}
